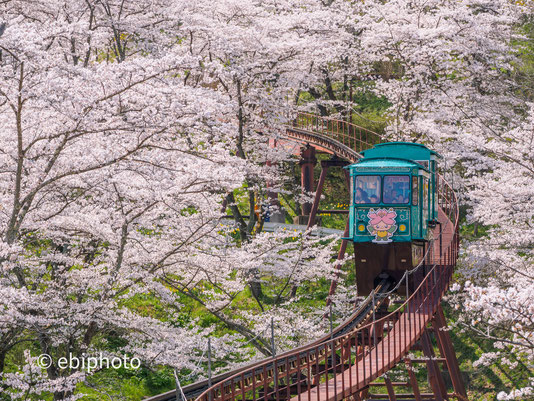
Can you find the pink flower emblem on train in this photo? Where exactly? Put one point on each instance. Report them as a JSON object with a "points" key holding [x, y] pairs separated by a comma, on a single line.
{"points": [[382, 225]]}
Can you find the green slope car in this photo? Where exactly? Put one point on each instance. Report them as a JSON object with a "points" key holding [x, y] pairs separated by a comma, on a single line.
{"points": [[393, 210]]}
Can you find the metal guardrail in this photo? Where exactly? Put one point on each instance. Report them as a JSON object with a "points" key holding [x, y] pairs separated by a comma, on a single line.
{"points": [[343, 138], [332, 370], [358, 318]]}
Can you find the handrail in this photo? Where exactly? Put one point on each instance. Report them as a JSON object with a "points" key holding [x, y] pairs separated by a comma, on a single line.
{"points": [[347, 133], [411, 317], [358, 318], [341, 138], [314, 371]]}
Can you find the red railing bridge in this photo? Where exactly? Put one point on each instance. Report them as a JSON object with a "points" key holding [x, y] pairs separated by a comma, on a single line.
{"points": [[358, 355]]}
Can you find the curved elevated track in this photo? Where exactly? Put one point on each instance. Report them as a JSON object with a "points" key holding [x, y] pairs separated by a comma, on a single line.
{"points": [[373, 340]]}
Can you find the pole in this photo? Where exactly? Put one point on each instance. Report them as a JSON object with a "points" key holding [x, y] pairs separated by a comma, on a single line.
{"points": [[275, 367], [331, 323], [209, 369], [180, 396], [407, 296], [273, 348], [373, 298], [374, 320]]}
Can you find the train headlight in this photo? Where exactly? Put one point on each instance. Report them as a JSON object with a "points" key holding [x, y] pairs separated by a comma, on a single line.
{"points": [[402, 227], [361, 228]]}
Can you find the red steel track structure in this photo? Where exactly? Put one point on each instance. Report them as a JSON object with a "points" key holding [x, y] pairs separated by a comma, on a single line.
{"points": [[347, 366], [338, 137]]}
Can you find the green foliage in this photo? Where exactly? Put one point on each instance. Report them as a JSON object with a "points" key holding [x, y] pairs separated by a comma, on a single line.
{"points": [[157, 381], [128, 385], [482, 383], [524, 70]]}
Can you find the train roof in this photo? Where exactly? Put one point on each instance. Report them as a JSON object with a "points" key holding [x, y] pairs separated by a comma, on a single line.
{"points": [[376, 164], [404, 150]]}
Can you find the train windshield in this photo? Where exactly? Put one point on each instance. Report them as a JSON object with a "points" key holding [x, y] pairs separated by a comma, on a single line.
{"points": [[397, 189], [367, 189]]}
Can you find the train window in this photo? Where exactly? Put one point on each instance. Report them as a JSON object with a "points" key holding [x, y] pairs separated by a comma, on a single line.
{"points": [[415, 191], [367, 189], [397, 189], [425, 197], [423, 163], [424, 201]]}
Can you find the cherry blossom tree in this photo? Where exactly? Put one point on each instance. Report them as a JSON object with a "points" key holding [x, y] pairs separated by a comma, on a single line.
{"points": [[109, 170], [116, 153], [455, 89], [128, 128], [498, 293], [255, 52]]}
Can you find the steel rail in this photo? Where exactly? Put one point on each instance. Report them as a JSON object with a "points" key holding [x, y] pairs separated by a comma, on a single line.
{"points": [[345, 140], [332, 368], [329, 362], [345, 135]]}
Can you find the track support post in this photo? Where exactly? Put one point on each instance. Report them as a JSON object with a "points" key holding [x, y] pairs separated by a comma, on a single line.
{"points": [[434, 374], [446, 348], [307, 164], [413, 380]]}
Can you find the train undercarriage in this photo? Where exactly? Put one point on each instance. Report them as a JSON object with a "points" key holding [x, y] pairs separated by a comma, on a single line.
{"points": [[375, 262]]}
